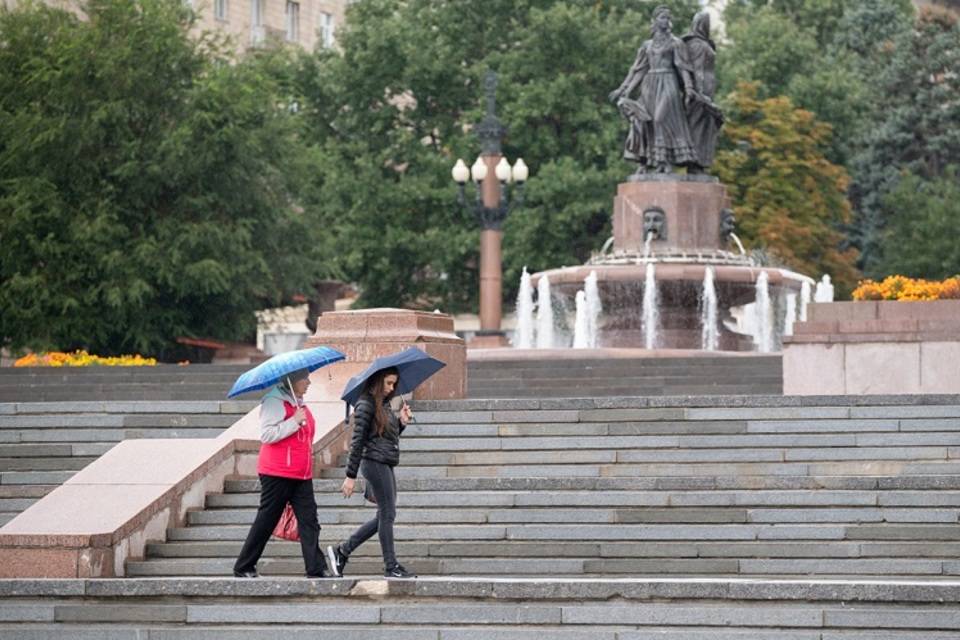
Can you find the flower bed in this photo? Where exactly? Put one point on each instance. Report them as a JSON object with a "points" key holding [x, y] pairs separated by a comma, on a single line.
{"points": [[82, 359], [908, 289]]}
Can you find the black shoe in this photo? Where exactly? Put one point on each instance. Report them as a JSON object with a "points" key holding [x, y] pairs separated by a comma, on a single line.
{"points": [[252, 573], [398, 571], [338, 560], [318, 576]]}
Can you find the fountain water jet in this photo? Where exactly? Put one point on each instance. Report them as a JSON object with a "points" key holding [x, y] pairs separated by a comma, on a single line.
{"points": [[594, 309], [651, 315], [581, 328], [523, 337], [791, 315], [544, 314], [739, 244], [763, 310], [804, 300], [709, 336]]}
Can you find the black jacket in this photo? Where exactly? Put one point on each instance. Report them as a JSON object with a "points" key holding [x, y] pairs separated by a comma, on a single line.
{"points": [[366, 443]]}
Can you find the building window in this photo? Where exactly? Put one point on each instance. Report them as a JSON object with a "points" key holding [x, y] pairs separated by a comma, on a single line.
{"points": [[326, 29], [257, 33], [220, 9], [293, 21]]}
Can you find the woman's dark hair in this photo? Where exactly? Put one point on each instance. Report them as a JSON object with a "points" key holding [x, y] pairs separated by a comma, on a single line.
{"points": [[374, 386]]}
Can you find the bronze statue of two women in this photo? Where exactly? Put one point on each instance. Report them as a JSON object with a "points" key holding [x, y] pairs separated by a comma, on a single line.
{"points": [[673, 119]]}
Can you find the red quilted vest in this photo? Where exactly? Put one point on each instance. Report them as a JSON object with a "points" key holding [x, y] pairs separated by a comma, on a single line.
{"points": [[291, 457]]}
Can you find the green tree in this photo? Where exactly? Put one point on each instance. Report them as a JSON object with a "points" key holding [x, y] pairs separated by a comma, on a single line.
{"points": [[147, 186], [913, 130], [920, 236], [789, 199], [392, 112]]}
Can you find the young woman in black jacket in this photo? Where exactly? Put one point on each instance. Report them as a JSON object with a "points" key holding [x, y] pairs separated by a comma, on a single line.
{"points": [[375, 451]]}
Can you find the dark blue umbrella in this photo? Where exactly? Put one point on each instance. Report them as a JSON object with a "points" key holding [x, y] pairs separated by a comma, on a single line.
{"points": [[413, 367], [271, 371]]}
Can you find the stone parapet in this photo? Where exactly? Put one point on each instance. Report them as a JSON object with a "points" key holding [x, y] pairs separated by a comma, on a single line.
{"points": [[369, 334], [875, 347]]}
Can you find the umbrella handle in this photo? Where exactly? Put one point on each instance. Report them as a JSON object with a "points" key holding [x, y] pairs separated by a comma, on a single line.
{"points": [[295, 398]]}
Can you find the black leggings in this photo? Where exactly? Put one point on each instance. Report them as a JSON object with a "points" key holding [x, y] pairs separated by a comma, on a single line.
{"points": [[381, 479]]}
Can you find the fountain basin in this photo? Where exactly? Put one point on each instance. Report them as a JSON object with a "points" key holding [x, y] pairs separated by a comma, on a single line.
{"points": [[679, 286]]}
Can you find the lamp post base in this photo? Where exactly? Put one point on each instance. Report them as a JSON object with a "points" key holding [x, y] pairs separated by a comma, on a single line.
{"points": [[488, 339]]}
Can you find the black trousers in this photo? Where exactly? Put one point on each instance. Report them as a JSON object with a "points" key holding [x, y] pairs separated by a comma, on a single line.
{"points": [[275, 493], [381, 479]]}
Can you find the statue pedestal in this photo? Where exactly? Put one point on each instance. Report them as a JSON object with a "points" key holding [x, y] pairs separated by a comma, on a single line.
{"points": [[691, 205], [368, 334]]}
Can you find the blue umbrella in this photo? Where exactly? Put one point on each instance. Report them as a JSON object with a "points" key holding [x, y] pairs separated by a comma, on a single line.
{"points": [[413, 367], [271, 371]]}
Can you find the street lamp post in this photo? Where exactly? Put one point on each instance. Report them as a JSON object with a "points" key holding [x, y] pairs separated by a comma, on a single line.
{"points": [[491, 174]]}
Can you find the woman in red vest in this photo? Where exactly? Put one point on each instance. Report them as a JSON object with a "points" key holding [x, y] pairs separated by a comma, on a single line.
{"points": [[285, 467]]}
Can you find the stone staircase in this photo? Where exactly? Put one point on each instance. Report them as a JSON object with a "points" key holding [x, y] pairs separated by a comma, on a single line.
{"points": [[727, 518], [162, 382], [572, 375], [42, 444], [564, 488]]}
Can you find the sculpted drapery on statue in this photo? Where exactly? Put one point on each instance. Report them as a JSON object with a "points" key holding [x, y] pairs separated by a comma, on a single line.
{"points": [[704, 116], [673, 120]]}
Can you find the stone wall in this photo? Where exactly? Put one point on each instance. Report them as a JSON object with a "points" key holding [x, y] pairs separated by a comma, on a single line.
{"points": [[875, 347]]}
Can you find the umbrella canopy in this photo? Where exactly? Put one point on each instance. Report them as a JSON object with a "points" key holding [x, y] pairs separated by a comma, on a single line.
{"points": [[413, 367], [271, 371]]}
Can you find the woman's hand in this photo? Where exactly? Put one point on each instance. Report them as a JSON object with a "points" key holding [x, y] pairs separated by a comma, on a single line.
{"points": [[347, 487], [406, 414], [300, 415]]}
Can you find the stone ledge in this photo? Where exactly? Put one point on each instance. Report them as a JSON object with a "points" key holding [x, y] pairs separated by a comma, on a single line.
{"points": [[555, 589], [630, 402]]}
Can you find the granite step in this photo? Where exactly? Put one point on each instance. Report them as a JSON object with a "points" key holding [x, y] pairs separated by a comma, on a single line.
{"points": [[457, 609]]}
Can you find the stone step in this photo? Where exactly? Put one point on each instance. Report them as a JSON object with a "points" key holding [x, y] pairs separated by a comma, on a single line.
{"points": [[128, 407], [433, 440], [114, 420], [608, 484], [595, 550], [609, 391], [873, 532], [102, 435], [588, 456], [545, 566], [865, 467], [59, 463], [578, 499], [641, 372], [826, 418], [586, 363], [458, 609], [633, 515], [35, 477]]}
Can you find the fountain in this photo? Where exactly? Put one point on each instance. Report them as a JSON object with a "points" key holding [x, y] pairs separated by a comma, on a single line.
{"points": [[709, 336], [544, 314], [523, 338], [672, 226]]}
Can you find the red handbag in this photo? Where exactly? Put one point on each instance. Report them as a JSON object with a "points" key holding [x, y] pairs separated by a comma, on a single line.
{"points": [[287, 526]]}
